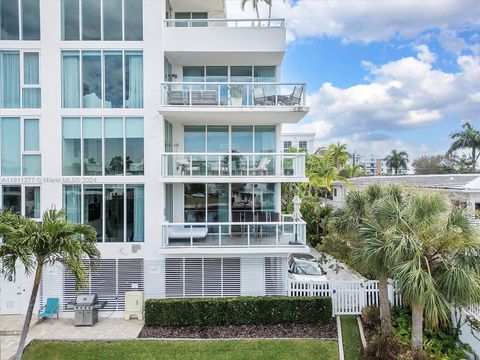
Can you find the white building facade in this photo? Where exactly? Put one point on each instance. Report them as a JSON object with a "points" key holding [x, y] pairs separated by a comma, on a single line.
{"points": [[300, 141], [158, 123]]}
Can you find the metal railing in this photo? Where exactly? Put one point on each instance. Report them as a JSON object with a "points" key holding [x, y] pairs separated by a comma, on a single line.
{"points": [[234, 234], [233, 94], [222, 23], [233, 164]]}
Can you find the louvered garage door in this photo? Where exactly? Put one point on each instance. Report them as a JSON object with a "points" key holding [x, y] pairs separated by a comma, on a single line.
{"points": [[110, 279], [275, 276]]}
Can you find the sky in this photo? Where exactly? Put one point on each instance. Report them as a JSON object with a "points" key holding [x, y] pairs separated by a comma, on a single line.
{"points": [[382, 74]]}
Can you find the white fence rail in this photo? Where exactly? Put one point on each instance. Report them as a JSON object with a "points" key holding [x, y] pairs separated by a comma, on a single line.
{"points": [[348, 297]]}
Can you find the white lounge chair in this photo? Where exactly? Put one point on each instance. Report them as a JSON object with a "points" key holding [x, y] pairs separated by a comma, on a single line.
{"points": [[186, 167], [261, 168]]}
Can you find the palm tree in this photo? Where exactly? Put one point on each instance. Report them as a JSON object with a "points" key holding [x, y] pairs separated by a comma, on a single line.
{"points": [[397, 160], [439, 252], [468, 138], [351, 171], [370, 238], [35, 245], [254, 5], [338, 154]]}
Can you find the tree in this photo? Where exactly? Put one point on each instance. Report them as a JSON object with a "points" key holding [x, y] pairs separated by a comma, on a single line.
{"points": [[351, 171], [35, 245], [468, 138], [254, 5], [397, 160], [357, 222], [438, 249], [433, 164], [338, 155]]}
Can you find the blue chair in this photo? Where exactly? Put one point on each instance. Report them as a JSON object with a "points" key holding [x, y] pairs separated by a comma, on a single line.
{"points": [[49, 309]]}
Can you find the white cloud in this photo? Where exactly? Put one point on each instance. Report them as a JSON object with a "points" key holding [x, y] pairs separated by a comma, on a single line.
{"points": [[403, 94], [367, 20]]}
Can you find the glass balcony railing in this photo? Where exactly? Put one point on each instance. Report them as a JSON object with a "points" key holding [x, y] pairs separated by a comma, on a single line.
{"points": [[223, 94], [234, 234], [233, 164], [225, 23]]}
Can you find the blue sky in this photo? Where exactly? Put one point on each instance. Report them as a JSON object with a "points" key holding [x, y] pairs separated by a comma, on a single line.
{"points": [[382, 74]]}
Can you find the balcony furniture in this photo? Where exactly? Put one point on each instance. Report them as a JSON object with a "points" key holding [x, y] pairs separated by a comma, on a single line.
{"points": [[259, 97], [177, 232], [92, 168], [176, 98], [261, 168], [49, 310], [294, 98], [204, 97], [186, 167], [136, 168], [214, 169]]}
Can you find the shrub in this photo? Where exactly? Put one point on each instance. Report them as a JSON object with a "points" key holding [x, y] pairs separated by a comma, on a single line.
{"points": [[383, 348], [238, 311], [371, 318]]}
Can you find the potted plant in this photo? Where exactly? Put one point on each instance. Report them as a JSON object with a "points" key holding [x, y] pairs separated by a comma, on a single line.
{"points": [[236, 95]]}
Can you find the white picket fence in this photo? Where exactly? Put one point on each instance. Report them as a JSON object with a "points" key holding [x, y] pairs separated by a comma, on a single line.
{"points": [[348, 297]]}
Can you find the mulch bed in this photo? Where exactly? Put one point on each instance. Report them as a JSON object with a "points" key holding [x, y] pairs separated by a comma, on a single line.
{"points": [[324, 331]]}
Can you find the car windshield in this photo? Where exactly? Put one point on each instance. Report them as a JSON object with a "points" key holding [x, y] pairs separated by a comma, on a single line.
{"points": [[305, 268]]}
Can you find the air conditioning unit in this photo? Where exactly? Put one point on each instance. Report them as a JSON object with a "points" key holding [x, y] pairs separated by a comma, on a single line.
{"points": [[134, 304]]}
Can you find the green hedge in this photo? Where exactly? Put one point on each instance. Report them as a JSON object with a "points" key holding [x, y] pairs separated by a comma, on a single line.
{"points": [[266, 310]]}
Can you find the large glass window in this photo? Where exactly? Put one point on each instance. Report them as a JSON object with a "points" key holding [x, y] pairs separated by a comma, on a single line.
{"points": [[134, 146], [91, 20], [113, 80], [12, 198], [30, 19], [92, 146], [70, 20], [112, 19], [19, 20], [70, 79], [31, 136], [32, 202], [119, 70], [115, 211], [31, 80], [135, 213], [92, 79], [10, 144], [92, 207], [121, 142], [242, 139], [114, 146], [71, 148], [133, 20], [193, 74], [133, 79], [194, 138], [265, 139], [10, 79], [194, 202], [114, 26]]}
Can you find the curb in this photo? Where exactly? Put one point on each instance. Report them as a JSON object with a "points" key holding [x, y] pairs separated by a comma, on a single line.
{"points": [[341, 355], [362, 334]]}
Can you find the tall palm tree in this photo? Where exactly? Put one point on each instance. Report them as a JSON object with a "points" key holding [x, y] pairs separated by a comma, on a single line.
{"points": [[254, 5], [397, 160], [351, 171], [370, 238], [439, 252], [468, 138], [338, 154], [35, 245]]}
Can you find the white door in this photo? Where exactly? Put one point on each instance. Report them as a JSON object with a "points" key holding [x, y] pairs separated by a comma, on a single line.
{"points": [[10, 295]]}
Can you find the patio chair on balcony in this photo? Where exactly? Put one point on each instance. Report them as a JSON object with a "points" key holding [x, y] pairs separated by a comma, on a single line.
{"points": [[259, 97], [294, 98], [197, 97], [186, 167], [176, 98], [261, 168], [210, 97]]}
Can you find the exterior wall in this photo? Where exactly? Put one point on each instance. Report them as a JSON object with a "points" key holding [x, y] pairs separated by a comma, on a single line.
{"points": [[295, 139]]}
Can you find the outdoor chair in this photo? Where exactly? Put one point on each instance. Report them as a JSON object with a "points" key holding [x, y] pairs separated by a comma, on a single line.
{"points": [[295, 96], [176, 98], [261, 168], [259, 97], [185, 167], [49, 310], [197, 97], [209, 97]]}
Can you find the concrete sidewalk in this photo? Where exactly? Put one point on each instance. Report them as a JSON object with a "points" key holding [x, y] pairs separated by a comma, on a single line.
{"points": [[63, 329]]}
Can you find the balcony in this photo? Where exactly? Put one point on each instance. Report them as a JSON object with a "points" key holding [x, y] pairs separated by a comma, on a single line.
{"points": [[284, 167], [235, 234], [199, 41], [284, 102]]}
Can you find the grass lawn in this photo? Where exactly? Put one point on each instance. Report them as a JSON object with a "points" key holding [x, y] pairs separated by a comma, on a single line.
{"points": [[352, 343], [183, 350]]}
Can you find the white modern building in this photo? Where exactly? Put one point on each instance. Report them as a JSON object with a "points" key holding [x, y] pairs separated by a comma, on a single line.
{"points": [[300, 141], [158, 123], [374, 166]]}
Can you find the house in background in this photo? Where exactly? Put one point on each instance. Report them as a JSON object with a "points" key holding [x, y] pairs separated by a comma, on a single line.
{"points": [[463, 189], [300, 141], [159, 124]]}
